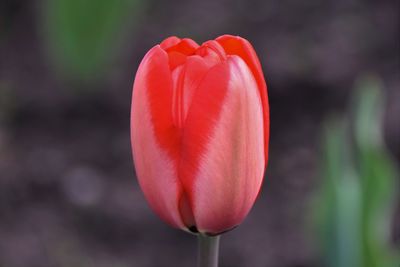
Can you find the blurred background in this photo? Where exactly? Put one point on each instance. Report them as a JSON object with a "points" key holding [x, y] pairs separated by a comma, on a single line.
{"points": [[68, 192]]}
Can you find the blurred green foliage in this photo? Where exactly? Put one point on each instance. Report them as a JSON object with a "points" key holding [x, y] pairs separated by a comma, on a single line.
{"points": [[355, 205], [84, 35]]}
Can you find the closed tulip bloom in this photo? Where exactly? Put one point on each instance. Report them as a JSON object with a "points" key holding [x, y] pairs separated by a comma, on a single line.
{"points": [[200, 131]]}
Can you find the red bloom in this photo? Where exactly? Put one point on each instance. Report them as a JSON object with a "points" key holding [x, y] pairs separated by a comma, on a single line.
{"points": [[200, 131]]}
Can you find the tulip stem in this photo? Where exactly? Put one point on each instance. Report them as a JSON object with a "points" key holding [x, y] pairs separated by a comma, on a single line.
{"points": [[208, 251]]}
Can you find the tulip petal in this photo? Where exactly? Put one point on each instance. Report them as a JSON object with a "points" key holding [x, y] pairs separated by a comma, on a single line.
{"points": [[154, 139], [176, 59], [224, 161], [235, 45], [195, 69], [178, 50], [185, 46], [212, 52], [186, 79], [170, 41]]}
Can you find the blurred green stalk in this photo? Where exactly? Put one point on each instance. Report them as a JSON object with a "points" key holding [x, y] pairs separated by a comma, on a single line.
{"points": [[356, 202]]}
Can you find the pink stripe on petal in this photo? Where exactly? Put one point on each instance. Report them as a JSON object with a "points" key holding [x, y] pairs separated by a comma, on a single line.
{"points": [[231, 168], [201, 119], [153, 137], [235, 45]]}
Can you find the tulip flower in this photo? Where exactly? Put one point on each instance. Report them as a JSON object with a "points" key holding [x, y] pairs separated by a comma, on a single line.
{"points": [[200, 131]]}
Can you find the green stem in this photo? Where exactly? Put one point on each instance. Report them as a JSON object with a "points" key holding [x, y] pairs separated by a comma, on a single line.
{"points": [[208, 251]]}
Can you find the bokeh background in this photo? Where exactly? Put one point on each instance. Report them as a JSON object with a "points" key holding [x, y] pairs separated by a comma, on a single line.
{"points": [[68, 192]]}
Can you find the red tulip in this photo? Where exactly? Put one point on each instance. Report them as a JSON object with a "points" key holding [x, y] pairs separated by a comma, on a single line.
{"points": [[200, 131]]}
